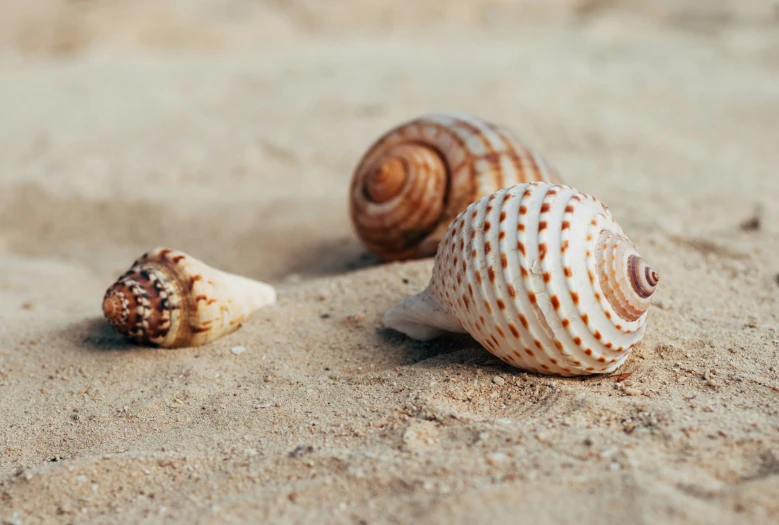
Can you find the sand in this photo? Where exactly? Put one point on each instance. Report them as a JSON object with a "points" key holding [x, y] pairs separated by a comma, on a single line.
{"points": [[229, 130]]}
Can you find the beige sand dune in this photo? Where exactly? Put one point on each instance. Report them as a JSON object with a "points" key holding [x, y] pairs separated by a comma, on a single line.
{"points": [[229, 130]]}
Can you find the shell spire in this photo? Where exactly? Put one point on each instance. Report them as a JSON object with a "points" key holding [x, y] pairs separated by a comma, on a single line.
{"points": [[418, 176], [172, 300], [542, 276]]}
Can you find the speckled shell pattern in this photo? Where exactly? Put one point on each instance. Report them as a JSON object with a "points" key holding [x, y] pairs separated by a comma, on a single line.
{"points": [[417, 177], [172, 300], [544, 278]]}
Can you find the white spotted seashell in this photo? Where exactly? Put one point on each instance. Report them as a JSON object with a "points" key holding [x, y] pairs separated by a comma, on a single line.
{"points": [[542, 276], [172, 300], [418, 176]]}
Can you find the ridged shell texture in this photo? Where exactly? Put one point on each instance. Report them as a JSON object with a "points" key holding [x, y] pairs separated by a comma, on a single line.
{"points": [[170, 299], [417, 177], [543, 277]]}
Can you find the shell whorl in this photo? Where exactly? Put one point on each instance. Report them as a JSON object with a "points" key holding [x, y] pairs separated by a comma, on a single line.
{"points": [[625, 278], [144, 302], [170, 299], [544, 278], [414, 179]]}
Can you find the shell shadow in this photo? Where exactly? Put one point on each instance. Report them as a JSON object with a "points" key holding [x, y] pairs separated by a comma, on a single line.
{"points": [[96, 335], [449, 349], [462, 349]]}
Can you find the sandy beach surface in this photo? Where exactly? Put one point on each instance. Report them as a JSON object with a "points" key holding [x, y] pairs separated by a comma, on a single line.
{"points": [[229, 130]]}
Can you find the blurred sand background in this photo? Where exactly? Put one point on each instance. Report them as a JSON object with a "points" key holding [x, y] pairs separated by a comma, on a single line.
{"points": [[229, 129]]}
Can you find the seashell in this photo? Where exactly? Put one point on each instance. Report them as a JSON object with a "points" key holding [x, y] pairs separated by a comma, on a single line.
{"points": [[172, 300], [418, 176], [540, 275]]}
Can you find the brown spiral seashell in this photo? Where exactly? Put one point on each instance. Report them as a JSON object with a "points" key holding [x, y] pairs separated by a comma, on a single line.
{"points": [[172, 300], [417, 177]]}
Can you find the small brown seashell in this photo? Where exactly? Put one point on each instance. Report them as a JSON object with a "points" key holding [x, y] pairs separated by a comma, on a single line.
{"points": [[172, 300], [417, 177]]}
